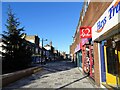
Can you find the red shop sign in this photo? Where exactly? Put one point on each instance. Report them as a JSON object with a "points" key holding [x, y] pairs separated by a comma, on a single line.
{"points": [[85, 32]]}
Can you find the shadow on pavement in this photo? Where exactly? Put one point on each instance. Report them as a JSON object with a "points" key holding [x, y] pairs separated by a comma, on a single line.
{"points": [[52, 67], [71, 83], [58, 66]]}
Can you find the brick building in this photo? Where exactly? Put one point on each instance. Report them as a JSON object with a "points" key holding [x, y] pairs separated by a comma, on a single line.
{"points": [[103, 48], [33, 39], [106, 37], [36, 50], [90, 14]]}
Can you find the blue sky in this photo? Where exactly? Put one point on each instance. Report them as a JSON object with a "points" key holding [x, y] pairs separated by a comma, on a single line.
{"points": [[55, 21]]}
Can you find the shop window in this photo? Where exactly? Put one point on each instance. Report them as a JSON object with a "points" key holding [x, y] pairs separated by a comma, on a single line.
{"points": [[88, 2], [111, 62]]}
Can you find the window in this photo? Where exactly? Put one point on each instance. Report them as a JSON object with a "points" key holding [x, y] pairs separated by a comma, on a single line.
{"points": [[111, 60], [86, 7], [88, 2]]}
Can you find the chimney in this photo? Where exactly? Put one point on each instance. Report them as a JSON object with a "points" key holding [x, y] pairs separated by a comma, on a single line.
{"points": [[51, 43]]}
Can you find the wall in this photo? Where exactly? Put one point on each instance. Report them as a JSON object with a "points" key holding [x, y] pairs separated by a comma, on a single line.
{"points": [[33, 38], [96, 64], [12, 77], [30, 38], [94, 11]]}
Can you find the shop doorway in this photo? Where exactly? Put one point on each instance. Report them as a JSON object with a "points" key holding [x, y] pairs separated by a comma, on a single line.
{"points": [[112, 59], [79, 59], [88, 60]]}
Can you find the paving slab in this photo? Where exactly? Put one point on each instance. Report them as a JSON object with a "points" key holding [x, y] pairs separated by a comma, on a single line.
{"points": [[58, 75]]}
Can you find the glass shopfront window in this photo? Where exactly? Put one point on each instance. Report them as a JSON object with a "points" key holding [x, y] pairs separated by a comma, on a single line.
{"points": [[111, 60], [112, 57]]}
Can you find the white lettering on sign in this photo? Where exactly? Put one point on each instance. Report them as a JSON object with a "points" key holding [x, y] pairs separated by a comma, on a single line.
{"points": [[85, 32]]}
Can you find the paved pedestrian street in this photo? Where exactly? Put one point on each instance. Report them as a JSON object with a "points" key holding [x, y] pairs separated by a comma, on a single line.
{"points": [[58, 75]]}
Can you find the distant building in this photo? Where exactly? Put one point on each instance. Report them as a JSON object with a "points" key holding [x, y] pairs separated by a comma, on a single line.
{"points": [[67, 56], [33, 39], [64, 55], [36, 50], [1, 49], [49, 47], [50, 50]]}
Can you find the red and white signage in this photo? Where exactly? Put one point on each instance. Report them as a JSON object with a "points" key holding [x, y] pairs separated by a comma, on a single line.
{"points": [[83, 41], [85, 32]]}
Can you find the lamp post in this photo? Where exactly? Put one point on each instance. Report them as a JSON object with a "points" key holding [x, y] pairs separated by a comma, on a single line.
{"points": [[42, 49]]}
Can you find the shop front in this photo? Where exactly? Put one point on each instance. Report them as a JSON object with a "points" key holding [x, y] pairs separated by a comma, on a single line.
{"points": [[87, 50], [91, 56], [106, 31], [112, 59], [78, 53], [87, 57]]}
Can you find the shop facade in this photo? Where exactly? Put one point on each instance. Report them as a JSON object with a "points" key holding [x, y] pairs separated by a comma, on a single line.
{"points": [[103, 51], [78, 53], [87, 57], [106, 35]]}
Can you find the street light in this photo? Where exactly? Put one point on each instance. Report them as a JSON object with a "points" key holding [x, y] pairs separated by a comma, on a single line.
{"points": [[42, 49]]}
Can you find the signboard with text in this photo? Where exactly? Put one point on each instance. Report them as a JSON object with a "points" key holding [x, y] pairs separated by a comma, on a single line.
{"points": [[108, 20], [84, 40], [86, 32]]}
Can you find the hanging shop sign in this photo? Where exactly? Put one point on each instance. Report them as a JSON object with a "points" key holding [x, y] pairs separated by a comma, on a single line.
{"points": [[78, 47], [109, 19], [84, 41], [85, 32]]}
